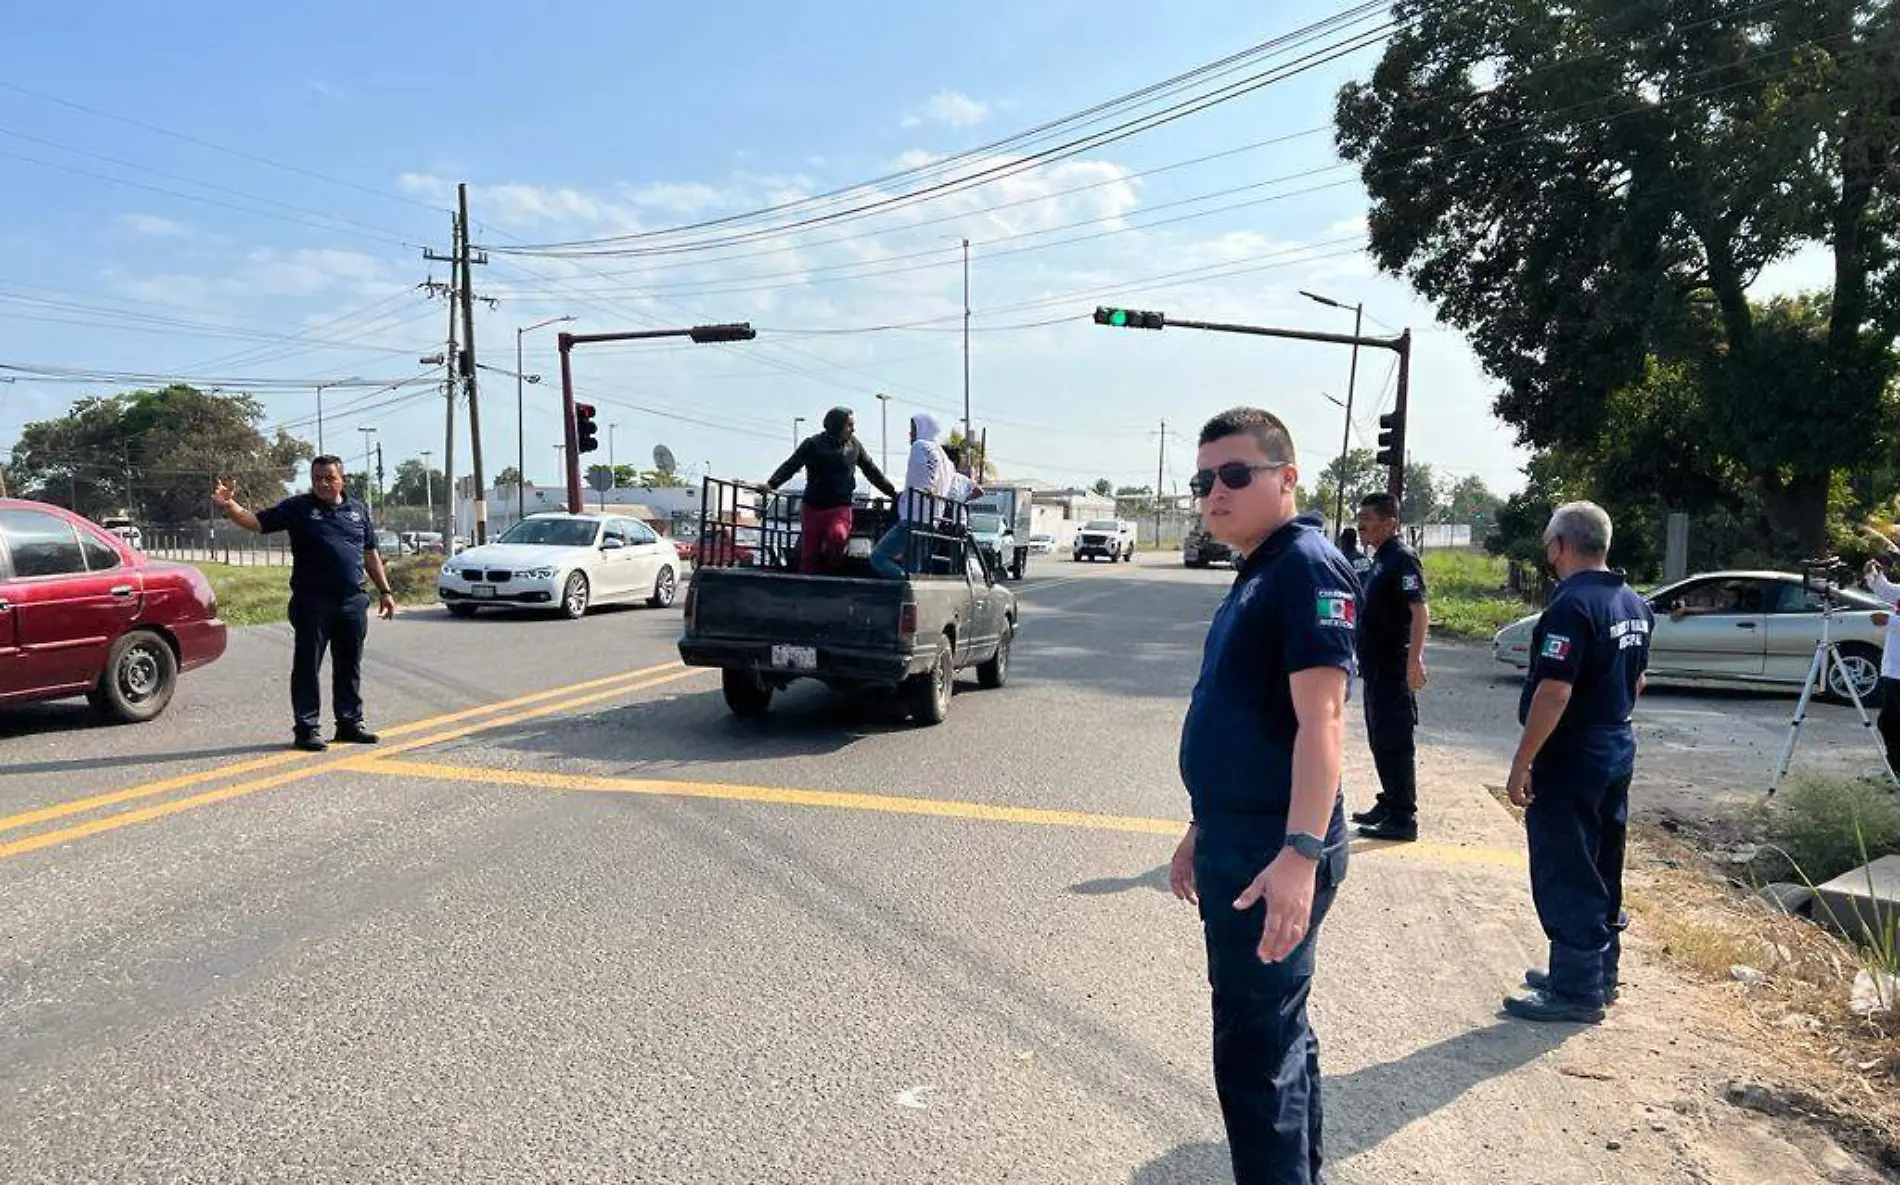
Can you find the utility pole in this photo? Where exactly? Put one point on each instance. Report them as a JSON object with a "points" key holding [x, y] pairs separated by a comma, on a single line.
{"points": [[966, 340], [428, 485], [468, 367], [884, 446], [1161, 462], [450, 360], [1352, 380], [369, 490], [797, 422]]}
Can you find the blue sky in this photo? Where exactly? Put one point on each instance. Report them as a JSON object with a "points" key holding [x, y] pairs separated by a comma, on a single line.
{"points": [[573, 120]]}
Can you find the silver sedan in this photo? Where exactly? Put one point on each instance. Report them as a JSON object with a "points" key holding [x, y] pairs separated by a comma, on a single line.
{"points": [[1746, 629]]}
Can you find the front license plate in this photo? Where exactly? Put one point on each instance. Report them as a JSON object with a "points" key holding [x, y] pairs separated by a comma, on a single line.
{"points": [[482, 590], [795, 658]]}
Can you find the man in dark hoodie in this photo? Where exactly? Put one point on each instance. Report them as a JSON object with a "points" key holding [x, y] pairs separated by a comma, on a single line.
{"points": [[831, 460]]}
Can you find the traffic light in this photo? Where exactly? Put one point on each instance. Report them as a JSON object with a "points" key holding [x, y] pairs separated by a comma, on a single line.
{"points": [[586, 433], [1391, 440], [1130, 318], [740, 331]]}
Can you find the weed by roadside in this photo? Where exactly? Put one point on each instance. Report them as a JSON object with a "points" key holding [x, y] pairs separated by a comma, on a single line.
{"points": [[1468, 597], [1820, 826], [258, 595]]}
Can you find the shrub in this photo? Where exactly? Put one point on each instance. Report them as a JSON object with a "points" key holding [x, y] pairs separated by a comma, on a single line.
{"points": [[1830, 824]]}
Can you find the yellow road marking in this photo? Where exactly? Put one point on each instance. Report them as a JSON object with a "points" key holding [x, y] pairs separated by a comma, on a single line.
{"points": [[60, 810], [885, 803], [46, 839]]}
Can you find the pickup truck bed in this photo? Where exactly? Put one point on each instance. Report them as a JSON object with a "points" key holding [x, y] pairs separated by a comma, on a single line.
{"points": [[766, 629]]}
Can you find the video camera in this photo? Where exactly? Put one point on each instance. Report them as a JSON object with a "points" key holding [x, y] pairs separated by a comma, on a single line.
{"points": [[1825, 575]]}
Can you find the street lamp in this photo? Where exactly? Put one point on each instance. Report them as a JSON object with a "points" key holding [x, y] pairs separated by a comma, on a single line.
{"points": [[610, 453], [521, 429], [1352, 380], [796, 422], [369, 498], [320, 387]]}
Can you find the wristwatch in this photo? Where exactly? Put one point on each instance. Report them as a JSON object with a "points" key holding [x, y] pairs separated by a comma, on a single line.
{"points": [[1306, 844]]}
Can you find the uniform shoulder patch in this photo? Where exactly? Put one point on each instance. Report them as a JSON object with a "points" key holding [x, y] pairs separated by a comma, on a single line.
{"points": [[1336, 608], [1556, 646], [1410, 582]]}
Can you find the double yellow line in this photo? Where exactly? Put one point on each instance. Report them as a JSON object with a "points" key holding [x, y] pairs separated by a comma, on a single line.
{"points": [[425, 733]]}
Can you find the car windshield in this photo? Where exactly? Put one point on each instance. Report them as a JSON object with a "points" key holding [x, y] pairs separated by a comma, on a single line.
{"points": [[1101, 524], [986, 524], [552, 532]]}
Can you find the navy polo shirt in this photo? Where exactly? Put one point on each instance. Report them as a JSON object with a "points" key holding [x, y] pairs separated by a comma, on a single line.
{"points": [[1393, 584], [1594, 636], [1291, 608], [326, 545]]}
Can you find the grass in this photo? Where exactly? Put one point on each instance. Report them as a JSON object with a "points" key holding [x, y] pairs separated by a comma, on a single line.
{"points": [[255, 595], [1467, 591], [1823, 825]]}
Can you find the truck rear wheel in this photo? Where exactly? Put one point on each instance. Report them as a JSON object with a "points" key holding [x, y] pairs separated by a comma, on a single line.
{"points": [[930, 692], [746, 694], [1022, 565]]}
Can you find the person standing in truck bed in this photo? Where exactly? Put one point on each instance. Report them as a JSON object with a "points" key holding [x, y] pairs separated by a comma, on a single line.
{"points": [[831, 460]]}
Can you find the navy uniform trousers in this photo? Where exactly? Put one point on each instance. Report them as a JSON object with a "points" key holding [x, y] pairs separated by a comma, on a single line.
{"points": [[341, 628], [1266, 1055], [1576, 827], [1391, 719]]}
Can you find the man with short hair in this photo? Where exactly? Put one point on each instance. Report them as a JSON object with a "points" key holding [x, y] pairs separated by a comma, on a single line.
{"points": [[332, 543], [1393, 619], [831, 459], [1260, 757], [1572, 769]]}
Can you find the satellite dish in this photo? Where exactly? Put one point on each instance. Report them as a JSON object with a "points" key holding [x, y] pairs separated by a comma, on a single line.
{"points": [[663, 459]]}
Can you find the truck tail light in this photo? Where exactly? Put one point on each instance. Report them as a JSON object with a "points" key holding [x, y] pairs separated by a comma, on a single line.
{"points": [[907, 621]]}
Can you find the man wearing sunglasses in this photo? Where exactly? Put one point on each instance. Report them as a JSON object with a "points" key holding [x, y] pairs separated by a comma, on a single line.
{"points": [[1260, 757], [1393, 619]]}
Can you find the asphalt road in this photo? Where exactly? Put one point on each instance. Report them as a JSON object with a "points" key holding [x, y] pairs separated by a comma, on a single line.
{"points": [[573, 922]]}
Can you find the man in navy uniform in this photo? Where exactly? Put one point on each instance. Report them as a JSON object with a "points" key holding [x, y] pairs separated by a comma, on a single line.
{"points": [[1260, 757], [1393, 618], [1572, 769], [332, 543]]}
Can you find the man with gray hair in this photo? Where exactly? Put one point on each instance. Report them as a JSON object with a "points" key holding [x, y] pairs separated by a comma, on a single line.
{"points": [[1572, 769]]}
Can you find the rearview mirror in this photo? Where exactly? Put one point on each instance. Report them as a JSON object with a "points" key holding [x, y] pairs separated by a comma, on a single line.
{"points": [[611, 544]]}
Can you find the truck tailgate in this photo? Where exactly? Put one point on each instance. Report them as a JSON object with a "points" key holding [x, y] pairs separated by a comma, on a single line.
{"points": [[782, 607]]}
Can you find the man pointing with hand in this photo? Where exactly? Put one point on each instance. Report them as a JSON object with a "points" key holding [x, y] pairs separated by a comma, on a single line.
{"points": [[332, 543], [1260, 756]]}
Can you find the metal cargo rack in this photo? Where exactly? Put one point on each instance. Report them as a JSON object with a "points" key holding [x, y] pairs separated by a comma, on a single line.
{"points": [[729, 508]]}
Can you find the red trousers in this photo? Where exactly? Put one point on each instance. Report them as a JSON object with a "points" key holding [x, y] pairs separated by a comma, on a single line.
{"points": [[823, 533]]}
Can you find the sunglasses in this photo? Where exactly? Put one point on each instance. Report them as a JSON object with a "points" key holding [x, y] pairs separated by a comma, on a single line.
{"points": [[1235, 475]]}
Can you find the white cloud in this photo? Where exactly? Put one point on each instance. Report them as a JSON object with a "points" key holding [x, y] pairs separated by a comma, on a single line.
{"points": [[951, 109], [684, 198], [153, 226], [308, 271]]}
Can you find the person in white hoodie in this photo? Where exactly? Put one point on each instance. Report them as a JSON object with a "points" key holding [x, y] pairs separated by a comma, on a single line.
{"points": [[1889, 719], [929, 472]]}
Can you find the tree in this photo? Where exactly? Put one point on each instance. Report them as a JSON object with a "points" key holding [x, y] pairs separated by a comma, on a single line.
{"points": [[973, 458], [507, 477], [1362, 476], [1103, 487], [1469, 500], [1615, 190], [155, 453], [1422, 502], [418, 485]]}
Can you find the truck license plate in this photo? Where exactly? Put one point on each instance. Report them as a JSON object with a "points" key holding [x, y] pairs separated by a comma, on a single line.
{"points": [[482, 590], [794, 658]]}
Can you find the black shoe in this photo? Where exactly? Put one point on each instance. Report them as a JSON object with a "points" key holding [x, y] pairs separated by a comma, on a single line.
{"points": [[1403, 830], [354, 734], [1542, 1006], [1540, 981], [309, 742], [1372, 818]]}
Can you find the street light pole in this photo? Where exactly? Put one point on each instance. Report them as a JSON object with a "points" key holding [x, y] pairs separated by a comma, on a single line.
{"points": [[966, 344], [428, 487], [884, 431], [1352, 381], [521, 422], [796, 421], [369, 493]]}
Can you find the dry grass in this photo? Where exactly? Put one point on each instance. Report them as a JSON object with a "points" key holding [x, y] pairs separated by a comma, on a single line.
{"points": [[1705, 924]]}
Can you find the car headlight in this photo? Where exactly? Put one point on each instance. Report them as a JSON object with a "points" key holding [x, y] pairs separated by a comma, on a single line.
{"points": [[535, 574]]}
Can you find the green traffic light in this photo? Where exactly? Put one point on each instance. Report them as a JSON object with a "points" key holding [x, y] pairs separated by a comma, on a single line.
{"points": [[1118, 317]]}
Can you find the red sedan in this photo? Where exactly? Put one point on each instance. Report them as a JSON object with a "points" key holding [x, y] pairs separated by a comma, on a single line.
{"points": [[81, 613]]}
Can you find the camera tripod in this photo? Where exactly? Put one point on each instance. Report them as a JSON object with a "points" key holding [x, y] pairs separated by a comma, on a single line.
{"points": [[1827, 660]]}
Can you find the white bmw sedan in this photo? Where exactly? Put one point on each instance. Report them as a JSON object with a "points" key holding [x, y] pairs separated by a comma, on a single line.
{"points": [[564, 561]]}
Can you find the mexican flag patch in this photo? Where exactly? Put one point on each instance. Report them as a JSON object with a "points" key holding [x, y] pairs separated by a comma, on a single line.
{"points": [[1336, 609], [1556, 646]]}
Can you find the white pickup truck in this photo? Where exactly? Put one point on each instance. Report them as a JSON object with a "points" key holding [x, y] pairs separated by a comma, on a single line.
{"points": [[1110, 538]]}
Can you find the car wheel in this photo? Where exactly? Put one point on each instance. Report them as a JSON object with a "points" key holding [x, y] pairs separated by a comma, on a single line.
{"points": [[141, 674], [574, 595], [665, 585], [746, 694], [930, 692], [459, 609], [995, 672], [1863, 667]]}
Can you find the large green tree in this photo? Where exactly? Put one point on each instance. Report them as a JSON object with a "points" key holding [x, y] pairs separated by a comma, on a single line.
{"points": [[155, 453], [1583, 187]]}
